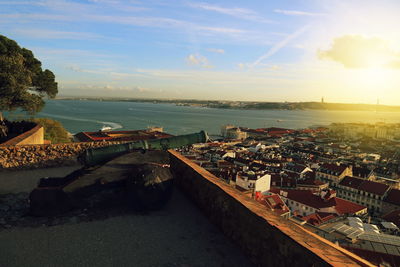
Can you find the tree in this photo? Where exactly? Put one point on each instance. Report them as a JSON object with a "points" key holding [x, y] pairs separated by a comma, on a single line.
{"points": [[23, 83]]}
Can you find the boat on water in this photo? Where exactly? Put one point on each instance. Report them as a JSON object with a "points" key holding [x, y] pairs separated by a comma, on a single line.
{"points": [[105, 128]]}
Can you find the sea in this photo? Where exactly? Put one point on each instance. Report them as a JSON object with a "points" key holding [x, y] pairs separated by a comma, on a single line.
{"points": [[88, 115]]}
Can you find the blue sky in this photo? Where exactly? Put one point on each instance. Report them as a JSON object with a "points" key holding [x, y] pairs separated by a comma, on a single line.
{"points": [[234, 50]]}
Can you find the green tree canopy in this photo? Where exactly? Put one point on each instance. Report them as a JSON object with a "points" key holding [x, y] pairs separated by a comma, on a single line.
{"points": [[23, 83]]}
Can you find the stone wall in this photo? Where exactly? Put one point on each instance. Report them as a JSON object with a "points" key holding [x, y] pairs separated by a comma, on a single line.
{"points": [[34, 136], [22, 136], [34, 156], [268, 239]]}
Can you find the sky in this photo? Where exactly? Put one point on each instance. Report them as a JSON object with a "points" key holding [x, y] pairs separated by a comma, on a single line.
{"points": [[298, 50]]}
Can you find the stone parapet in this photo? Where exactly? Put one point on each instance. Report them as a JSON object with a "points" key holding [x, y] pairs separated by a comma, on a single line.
{"points": [[267, 238], [38, 156], [33, 136]]}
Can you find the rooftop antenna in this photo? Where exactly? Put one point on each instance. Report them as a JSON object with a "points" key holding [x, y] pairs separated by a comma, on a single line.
{"points": [[377, 105]]}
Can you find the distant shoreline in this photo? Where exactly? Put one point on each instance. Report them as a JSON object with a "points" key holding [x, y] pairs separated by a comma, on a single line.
{"points": [[251, 105]]}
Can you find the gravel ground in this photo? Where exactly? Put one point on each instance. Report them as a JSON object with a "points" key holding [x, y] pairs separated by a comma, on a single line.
{"points": [[178, 235]]}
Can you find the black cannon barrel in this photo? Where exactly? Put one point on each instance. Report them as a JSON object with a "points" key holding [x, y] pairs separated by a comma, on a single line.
{"points": [[95, 156]]}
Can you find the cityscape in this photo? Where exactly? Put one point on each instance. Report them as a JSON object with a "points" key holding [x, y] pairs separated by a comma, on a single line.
{"points": [[199, 133]]}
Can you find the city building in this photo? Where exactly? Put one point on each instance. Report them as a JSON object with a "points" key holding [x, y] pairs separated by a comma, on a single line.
{"points": [[333, 173], [364, 192], [252, 181], [135, 135], [305, 202]]}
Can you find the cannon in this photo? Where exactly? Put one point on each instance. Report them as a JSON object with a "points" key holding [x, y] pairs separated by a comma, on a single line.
{"points": [[95, 156], [140, 168]]}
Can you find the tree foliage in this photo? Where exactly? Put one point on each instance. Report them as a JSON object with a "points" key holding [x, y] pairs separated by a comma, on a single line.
{"points": [[23, 83], [53, 130]]}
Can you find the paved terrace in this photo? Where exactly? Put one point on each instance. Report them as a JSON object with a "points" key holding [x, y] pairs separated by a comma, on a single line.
{"points": [[179, 235]]}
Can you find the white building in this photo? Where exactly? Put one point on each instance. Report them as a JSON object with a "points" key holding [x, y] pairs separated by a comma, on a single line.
{"points": [[253, 181]]}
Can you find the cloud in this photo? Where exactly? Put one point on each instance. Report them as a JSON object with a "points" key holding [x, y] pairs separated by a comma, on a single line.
{"points": [[50, 34], [242, 13], [220, 30], [150, 21], [355, 51], [280, 45], [23, 3], [198, 60], [216, 50], [76, 68], [298, 13]]}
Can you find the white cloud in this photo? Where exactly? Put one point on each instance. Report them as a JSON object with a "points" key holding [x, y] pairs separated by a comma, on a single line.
{"points": [[220, 30], [356, 51], [242, 13], [198, 60], [298, 13], [50, 34], [155, 22], [76, 68], [216, 50]]}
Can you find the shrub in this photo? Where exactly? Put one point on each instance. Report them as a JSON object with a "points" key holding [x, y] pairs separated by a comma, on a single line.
{"points": [[53, 130]]}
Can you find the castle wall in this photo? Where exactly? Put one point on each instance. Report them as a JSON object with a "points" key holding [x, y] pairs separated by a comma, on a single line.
{"points": [[267, 238]]}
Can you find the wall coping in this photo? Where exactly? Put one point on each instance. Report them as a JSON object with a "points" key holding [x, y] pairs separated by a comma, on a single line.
{"points": [[4, 145], [322, 248], [14, 141]]}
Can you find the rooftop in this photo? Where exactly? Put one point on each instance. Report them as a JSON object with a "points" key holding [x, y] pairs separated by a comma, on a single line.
{"points": [[331, 168], [120, 135], [365, 185]]}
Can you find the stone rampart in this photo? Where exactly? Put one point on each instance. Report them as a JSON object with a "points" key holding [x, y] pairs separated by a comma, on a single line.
{"points": [[267, 238], [35, 135], [37, 156]]}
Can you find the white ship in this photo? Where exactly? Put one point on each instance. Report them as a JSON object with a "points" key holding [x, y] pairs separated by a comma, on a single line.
{"points": [[105, 128]]}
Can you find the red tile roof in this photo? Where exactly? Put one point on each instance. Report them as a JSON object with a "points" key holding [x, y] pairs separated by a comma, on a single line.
{"points": [[352, 182], [331, 168], [319, 218], [310, 182], [365, 185], [273, 202], [295, 167], [347, 207], [393, 217], [361, 172], [307, 198], [374, 187], [135, 135], [393, 197]]}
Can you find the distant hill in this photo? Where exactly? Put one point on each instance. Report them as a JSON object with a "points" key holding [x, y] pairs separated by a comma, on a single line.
{"points": [[253, 104]]}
